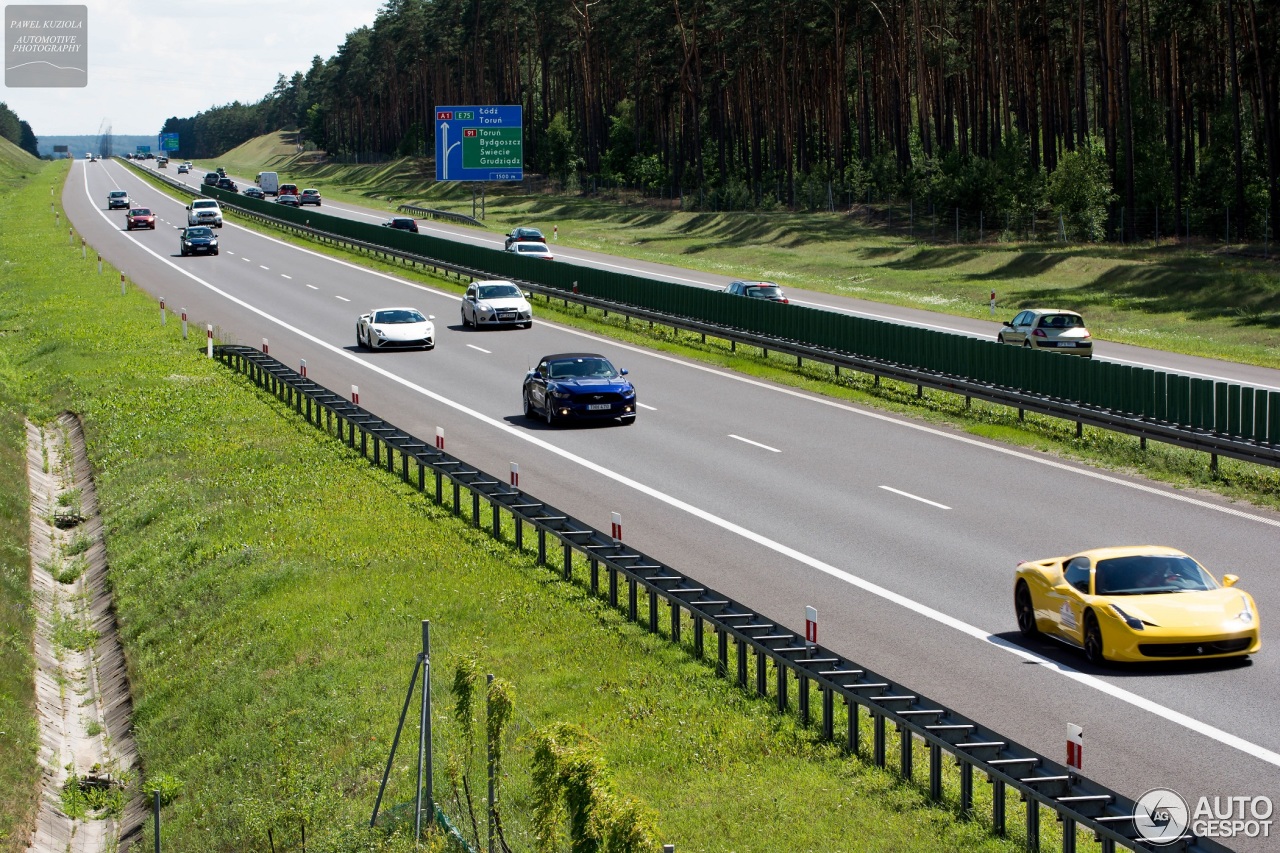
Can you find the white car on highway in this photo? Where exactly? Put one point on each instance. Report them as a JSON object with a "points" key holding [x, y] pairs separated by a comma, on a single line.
{"points": [[496, 303], [395, 328], [204, 211]]}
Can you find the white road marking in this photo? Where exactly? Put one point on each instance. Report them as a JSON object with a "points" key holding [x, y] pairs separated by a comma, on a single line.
{"points": [[1115, 692], [485, 351], [343, 298], [313, 287], [282, 275], [915, 497], [263, 267], [755, 443], [643, 406], [246, 260]]}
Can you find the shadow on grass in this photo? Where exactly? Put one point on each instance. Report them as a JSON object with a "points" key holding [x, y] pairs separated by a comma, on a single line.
{"points": [[1240, 296]]}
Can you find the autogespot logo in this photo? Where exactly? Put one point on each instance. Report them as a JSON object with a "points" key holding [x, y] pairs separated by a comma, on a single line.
{"points": [[1162, 816]]}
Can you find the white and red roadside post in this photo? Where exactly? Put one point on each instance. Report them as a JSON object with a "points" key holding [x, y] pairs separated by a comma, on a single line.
{"points": [[122, 284], [810, 627], [439, 438], [616, 528], [555, 232], [71, 237], [266, 350], [84, 250], [163, 318], [208, 337], [184, 324], [515, 475], [1075, 746], [304, 368], [355, 394], [99, 263], [993, 303]]}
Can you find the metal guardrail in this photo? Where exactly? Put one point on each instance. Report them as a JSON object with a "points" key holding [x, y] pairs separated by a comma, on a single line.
{"points": [[1145, 428], [424, 212], [1041, 783]]}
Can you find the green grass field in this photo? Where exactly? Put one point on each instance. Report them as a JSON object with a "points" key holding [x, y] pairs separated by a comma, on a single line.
{"points": [[269, 586], [1197, 301], [19, 738]]}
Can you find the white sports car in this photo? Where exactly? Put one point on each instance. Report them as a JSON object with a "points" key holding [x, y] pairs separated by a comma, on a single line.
{"points": [[395, 328]]}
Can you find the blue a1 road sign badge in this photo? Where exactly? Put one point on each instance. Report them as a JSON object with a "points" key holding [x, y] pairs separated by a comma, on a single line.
{"points": [[480, 143]]}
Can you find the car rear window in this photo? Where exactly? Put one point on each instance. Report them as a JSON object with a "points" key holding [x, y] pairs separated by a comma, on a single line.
{"points": [[1061, 321], [530, 247], [763, 291]]}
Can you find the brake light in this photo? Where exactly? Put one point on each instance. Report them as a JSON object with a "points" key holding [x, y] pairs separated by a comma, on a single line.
{"points": [[1039, 333], [786, 301]]}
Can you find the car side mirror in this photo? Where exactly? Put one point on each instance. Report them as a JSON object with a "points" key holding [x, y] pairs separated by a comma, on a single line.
{"points": [[431, 316], [622, 372], [1230, 580], [188, 207], [528, 294], [1008, 323], [535, 373]]}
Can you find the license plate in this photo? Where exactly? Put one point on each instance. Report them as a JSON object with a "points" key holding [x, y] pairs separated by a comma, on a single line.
{"points": [[1066, 343], [598, 407]]}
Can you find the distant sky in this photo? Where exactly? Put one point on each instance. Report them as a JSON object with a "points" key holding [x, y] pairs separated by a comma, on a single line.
{"points": [[155, 59]]}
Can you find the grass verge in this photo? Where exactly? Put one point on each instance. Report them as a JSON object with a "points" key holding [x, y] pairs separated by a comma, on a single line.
{"points": [[1194, 300], [269, 586]]}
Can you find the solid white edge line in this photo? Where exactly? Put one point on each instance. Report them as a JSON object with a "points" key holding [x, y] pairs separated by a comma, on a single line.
{"points": [[1115, 692], [481, 349], [915, 497], [756, 443]]}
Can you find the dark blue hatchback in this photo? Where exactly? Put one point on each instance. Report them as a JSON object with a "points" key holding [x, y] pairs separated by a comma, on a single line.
{"points": [[578, 386]]}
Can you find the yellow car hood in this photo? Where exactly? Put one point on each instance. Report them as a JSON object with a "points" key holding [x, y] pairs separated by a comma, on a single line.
{"points": [[1207, 608]]}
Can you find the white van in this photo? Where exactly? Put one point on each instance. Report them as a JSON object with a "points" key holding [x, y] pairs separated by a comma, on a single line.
{"points": [[270, 183]]}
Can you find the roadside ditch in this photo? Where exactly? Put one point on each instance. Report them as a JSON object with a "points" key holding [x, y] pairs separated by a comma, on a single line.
{"points": [[88, 759]]}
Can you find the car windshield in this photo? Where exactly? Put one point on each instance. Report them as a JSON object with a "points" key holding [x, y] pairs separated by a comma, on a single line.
{"points": [[573, 368], [139, 211], [1149, 574], [499, 291], [198, 232], [536, 248], [398, 315], [195, 205], [1061, 321], [119, 194], [764, 291]]}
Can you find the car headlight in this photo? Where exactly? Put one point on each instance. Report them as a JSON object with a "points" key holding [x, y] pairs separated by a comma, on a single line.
{"points": [[186, 242], [485, 309], [377, 331], [557, 393], [1245, 616], [1132, 621]]}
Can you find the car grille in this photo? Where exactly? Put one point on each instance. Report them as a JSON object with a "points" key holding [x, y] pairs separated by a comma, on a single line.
{"points": [[420, 342], [606, 397], [1190, 650]]}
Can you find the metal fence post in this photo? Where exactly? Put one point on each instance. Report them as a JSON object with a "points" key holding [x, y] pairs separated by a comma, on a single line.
{"points": [[424, 736], [493, 799]]}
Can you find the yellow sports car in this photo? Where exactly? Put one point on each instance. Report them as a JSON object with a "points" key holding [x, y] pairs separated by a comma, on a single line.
{"points": [[1138, 603]]}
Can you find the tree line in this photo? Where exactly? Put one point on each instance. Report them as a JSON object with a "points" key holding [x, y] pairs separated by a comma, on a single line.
{"points": [[17, 131], [1091, 106]]}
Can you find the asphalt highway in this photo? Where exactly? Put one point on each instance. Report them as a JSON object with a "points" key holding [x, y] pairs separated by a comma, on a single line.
{"points": [[904, 536], [1257, 377]]}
